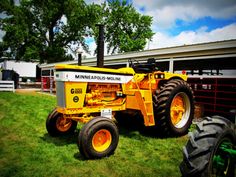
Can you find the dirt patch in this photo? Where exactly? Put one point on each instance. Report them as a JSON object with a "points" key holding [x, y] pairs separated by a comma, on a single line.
{"points": [[30, 91]]}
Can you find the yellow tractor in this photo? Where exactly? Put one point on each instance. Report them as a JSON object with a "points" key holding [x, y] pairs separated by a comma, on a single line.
{"points": [[94, 96]]}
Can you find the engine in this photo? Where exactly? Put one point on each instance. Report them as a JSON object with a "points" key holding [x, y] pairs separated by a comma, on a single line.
{"points": [[103, 94]]}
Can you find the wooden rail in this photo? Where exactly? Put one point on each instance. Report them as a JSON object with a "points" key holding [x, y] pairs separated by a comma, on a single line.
{"points": [[7, 86]]}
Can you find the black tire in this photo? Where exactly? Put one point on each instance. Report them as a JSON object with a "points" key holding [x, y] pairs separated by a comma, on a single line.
{"points": [[162, 101], [204, 145], [53, 124], [89, 133]]}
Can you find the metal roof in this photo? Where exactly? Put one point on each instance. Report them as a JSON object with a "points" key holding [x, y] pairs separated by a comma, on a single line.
{"points": [[208, 50]]}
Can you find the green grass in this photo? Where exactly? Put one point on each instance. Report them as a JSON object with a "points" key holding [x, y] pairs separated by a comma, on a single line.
{"points": [[26, 149]]}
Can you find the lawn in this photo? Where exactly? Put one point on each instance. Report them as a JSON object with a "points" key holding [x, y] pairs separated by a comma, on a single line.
{"points": [[26, 149]]}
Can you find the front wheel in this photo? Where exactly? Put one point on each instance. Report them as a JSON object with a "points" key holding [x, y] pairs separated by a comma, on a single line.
{"points": [[210, 150], [57, 125], [98, 138], [174, 108]]}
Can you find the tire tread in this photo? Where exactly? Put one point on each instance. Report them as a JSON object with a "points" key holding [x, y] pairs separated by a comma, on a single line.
{"points": [[199, 148]]}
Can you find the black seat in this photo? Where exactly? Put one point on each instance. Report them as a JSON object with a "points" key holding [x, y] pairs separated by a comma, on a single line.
{"points": [[148, 67]]}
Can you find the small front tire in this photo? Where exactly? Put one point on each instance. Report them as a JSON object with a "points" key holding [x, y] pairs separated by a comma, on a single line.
{"points": [[98, 138], [57, 125]]}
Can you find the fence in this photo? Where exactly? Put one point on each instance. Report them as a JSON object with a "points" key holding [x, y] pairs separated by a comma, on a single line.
{"points": [[7, 86], [216, 95]]}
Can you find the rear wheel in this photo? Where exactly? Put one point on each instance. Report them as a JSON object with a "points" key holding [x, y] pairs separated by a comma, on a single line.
{"points": [[174, 108], [98, 138], [57, 125], [210, 150]]}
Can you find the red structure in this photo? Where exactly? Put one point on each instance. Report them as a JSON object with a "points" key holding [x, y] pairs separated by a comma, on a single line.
{"points": [[215, 95], [47, 80]]}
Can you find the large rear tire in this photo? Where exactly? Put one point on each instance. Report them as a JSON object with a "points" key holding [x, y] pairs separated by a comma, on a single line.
{"points": [[174, 108], [203, 155], [57, 125], [98, 138]]}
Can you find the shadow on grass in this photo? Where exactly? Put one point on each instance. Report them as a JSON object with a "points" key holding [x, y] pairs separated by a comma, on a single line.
{"points": [[129, 126], [61, 140], [133, 126], [64, 141], [78, 156]]}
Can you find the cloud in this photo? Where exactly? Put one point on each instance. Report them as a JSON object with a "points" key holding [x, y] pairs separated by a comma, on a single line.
{"points": [[166, 12], [201, 35], [213, 8], [94, 1]]}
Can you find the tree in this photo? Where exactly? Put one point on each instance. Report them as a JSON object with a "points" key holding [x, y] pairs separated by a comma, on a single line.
{"points": [[45, 29], [126, 29]]}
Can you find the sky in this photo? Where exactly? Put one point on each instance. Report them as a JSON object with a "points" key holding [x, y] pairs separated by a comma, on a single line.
{"points": [[184, 22]]}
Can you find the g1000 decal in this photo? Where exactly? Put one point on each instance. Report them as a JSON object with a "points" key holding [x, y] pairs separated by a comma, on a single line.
{"points": [[76, 91]]}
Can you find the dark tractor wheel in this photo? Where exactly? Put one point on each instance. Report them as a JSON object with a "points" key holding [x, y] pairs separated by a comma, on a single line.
{"points": [[210, 150], [98, 138], [174, 108], [57, 125]]}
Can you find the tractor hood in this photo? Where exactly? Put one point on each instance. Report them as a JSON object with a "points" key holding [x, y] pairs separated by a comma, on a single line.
{"points": [[92, 74]]}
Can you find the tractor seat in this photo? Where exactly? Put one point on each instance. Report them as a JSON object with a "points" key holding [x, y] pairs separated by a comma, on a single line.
{"points": [[148, 67]]}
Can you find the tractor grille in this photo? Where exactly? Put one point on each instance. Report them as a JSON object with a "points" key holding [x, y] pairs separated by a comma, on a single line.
{"points": [[60, 90]]}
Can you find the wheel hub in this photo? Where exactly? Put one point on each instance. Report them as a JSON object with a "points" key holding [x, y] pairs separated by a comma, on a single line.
{"points": [[63, 124], [222, 159], [177, 109], [180, 110], [101, 140]]}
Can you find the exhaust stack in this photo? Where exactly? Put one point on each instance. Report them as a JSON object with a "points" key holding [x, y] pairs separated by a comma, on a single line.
{"points": [[100, 46], [79, 58]]}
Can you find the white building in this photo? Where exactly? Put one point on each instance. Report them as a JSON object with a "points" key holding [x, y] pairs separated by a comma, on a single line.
{"points": [[24, 69]]}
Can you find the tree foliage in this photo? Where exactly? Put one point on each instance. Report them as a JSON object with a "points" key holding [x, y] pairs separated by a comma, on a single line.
{"points": [[126, 29], [45, 30]]}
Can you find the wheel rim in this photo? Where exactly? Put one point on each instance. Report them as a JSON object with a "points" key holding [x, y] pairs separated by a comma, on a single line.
{"points": [[101, 140], [221, 159], [180, 110], [63, 124]]}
